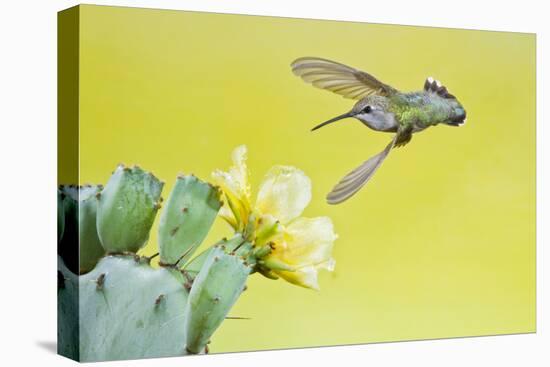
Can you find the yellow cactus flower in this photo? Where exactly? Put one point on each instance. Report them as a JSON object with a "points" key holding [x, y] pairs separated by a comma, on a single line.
{"points": [[236, 189], [287, 246]]}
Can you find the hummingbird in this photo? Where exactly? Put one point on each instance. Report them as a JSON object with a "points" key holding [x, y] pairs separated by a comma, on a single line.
{"points": [[381, 108]]}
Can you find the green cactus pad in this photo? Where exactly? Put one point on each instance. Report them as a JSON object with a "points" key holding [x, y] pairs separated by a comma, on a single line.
{"points": [[67, 246], [67, 312], [215, 289], [186, 218], [130, 310], [79, 244], [193, 267], [126, 209], [90, 246]]}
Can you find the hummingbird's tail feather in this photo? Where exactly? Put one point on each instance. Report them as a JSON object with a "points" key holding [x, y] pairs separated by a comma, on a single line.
{"points": [[357, 178], [458, 114], [434, 86]]}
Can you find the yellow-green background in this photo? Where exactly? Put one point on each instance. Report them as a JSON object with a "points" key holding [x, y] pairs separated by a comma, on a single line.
{"points": [[441, 243]]}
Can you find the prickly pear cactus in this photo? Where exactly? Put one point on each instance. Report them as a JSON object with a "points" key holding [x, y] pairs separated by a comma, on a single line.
{"points": [[124, 299], [76, 222], [215, 289], [114, 304], [186, 219], [126, 209]]}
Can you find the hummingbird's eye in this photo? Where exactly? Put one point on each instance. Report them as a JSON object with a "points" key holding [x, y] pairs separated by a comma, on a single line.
{"points": [[367, 109]]}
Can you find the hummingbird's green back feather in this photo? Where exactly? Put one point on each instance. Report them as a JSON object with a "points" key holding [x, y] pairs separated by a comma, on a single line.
{"points": [[424, 109]]}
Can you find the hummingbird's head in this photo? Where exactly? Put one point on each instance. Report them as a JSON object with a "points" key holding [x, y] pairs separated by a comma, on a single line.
{"points": [[371, 111]]}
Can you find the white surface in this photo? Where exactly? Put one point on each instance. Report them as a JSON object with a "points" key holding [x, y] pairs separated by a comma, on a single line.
{"points": [[28, 161]]}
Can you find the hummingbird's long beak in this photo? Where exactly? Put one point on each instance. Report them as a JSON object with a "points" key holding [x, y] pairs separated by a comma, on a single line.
{"points": [[343, 116]]}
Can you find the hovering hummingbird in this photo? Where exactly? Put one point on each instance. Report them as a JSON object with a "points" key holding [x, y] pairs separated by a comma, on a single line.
{"points": [[380, 107]]}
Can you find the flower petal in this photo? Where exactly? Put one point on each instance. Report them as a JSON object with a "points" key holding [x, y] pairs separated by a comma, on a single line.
{"points": [[236, 180], [239, 171], [227, 214], [235, 185], [305, 277], [305, 246], [309, 241], [284, 193]]}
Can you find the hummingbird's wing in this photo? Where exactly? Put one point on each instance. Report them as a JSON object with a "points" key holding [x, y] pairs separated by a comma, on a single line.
{"points": [[339, 78], [357, 178]]}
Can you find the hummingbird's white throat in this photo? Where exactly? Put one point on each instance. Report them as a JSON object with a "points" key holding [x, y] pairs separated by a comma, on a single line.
{"points": [[378, 120]]}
